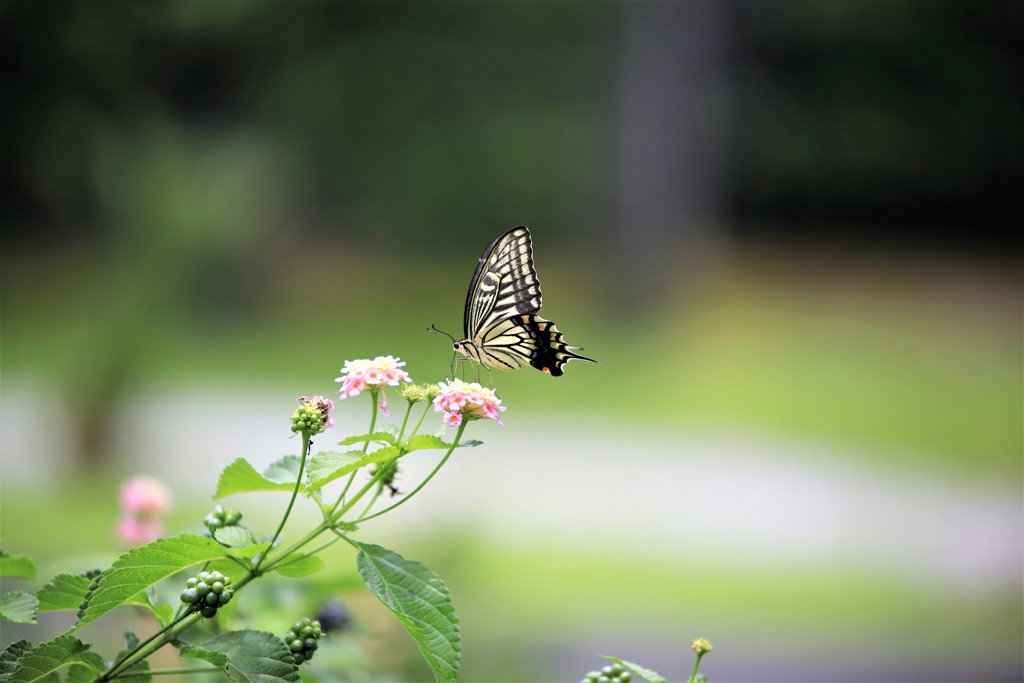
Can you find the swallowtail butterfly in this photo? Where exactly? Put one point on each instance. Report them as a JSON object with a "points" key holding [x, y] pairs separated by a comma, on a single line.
{"points": [[501, 325]]}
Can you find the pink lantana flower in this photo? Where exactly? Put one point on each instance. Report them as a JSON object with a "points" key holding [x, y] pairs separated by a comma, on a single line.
{"points": [[145, 497], [460, 400], [143, 501], [139, 530], [373, 375]]}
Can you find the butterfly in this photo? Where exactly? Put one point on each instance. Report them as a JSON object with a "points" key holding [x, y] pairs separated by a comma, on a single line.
{"points": [[501, 325]]}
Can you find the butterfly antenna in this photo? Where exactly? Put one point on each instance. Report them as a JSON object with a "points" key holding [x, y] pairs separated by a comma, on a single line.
{"points": [[434, 329]]}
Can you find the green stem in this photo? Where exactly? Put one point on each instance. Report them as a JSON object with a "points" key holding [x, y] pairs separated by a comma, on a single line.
{"points": [[166, 672], [145, 649], [376, 495], [458, 436], [405, 420], [366, 446], [362, 492], [416, 429], [291, 503], [696, 667]]}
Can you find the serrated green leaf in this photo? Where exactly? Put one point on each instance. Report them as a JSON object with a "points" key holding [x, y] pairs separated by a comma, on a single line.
{"points": [[17, 566], [284, 470], [644, 673], [420, 600], [248, 657], [10, 656], [63, 592], [241, 477], [86, 670], [326, 466], [249, 551], [140, 568], [423, 441], [380, 437], [18, 607], [234, 536], [43, 661], [302, 566]]}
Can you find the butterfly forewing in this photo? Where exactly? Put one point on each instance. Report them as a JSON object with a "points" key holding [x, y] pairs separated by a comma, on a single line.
{"points": [[505, 283]]}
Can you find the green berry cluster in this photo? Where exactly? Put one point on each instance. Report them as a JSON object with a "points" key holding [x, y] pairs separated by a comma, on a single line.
{"points": [[88, 595], [302, 639], [207, 592], [221, 518], [312, 415], [613, 673]]}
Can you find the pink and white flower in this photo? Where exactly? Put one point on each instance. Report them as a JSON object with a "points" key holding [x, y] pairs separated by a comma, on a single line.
{"points": [[460, 400], [143, 501], [145, 497], [373, 375], [139, 530]]}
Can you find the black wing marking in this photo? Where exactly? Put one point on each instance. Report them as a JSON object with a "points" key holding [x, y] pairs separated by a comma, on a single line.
{"points": [[504, 284], [527, 339]]}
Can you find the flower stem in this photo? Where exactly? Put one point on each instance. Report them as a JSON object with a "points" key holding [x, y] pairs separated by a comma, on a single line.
{"points": [[458, 436], [426, 409], [291, 503], [366, 446], [405, 420], [696, 667]]}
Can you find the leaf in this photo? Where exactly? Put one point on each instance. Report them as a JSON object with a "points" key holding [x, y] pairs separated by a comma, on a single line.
{"points": [[42, 661], [241, 477], [420, 600], [646, 674], [234, 536], [284, 470], [140, 568], [380, 437], [19, 607], [10, 656], [302, 566], [249, 551], [63, 592], [470, 443], [326, 466], [17, 566], [422, 441], [248, 656]]}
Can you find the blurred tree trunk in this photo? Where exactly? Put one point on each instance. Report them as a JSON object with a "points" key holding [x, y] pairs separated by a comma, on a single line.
{"points": [[673, 116]]}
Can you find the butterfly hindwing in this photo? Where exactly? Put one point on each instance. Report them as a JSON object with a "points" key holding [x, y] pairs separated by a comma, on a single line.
{"points": [[527, 339], [505, 282]]}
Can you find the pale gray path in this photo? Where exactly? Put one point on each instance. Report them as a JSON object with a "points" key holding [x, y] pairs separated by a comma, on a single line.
{"points": [[734, 496]]}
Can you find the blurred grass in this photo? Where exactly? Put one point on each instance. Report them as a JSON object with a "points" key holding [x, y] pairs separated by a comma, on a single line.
{"points": [[920, 369]]}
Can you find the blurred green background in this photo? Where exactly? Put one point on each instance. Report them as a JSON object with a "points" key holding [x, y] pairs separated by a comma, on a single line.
{"points": [[788, 232]]}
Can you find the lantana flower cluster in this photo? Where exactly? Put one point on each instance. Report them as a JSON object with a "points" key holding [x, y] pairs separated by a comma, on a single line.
{"points": [[362, 374], [372, 375], [144, 501], [460, 401]]}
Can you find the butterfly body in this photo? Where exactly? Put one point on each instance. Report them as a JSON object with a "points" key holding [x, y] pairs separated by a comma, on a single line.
{"points": [[502, 325]]}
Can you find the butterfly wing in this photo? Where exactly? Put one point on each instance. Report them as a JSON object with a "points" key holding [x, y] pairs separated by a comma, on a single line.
{"points": [[505, 283], [526, 339]]}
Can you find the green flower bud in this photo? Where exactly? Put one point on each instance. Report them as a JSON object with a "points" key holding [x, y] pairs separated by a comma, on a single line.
{"points": [[701, 646]]}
